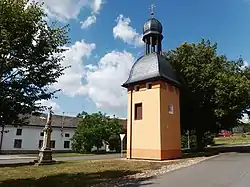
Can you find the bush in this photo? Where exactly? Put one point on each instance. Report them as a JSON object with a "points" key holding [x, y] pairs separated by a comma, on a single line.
{"points": [[184, 141], [114, 143], [208, 139]]}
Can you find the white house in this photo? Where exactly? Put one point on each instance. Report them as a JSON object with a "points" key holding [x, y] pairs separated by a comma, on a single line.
{"points": [[29, 138]]}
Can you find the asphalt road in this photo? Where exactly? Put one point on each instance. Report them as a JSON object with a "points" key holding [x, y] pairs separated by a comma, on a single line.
{"points": [[228, 170], [12, 160]]}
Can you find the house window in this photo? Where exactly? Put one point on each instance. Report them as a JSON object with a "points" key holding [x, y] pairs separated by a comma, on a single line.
{"points": [[137, 88], [171, 109], [40, 144], [67, 135], [41, 133], [52, 144], [66, 144], [17, 143], [19, 132], [149, 85], [138, 111]]}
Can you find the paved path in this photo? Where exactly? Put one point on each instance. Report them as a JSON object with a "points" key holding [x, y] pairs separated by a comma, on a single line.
{"points": [[228, 170], [11, 159]]}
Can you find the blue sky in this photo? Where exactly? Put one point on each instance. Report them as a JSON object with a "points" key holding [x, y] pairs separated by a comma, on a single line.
{"points": [[106, 40]]}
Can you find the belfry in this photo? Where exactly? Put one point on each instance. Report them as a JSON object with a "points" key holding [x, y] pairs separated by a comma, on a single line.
{"points": [[153, 125]]}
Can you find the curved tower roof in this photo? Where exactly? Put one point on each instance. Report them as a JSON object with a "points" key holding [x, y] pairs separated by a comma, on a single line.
{"points": [[153, 65]]}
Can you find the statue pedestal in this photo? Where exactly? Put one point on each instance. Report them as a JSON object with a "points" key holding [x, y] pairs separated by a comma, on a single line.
{"points": [[45, 153], [45, 158]]}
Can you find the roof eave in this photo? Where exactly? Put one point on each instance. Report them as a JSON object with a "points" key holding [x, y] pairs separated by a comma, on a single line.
{"points": [[163, 78]]}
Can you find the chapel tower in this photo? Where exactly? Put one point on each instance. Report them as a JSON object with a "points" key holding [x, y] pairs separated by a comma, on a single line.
{"points": [[153, 125]]}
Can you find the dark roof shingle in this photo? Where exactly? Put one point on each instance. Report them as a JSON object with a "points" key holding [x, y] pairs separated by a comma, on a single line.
{"points": [[151, 66]]}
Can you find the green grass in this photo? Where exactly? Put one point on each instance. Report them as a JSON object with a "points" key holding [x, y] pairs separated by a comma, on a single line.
{"points": [[236, 139], [81, 173], [74, 173], [61, 155], [69, 154]]}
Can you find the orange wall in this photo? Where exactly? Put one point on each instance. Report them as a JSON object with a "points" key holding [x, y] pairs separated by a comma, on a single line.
{"points": [[146, 132], [157, 131], [170, 123]]}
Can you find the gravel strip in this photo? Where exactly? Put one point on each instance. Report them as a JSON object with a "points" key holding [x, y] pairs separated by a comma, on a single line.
{"points": [[136, 178]]}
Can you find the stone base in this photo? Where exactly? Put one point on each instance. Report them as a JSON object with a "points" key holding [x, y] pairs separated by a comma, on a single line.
{"points": [[48, 162], [45, 158]]}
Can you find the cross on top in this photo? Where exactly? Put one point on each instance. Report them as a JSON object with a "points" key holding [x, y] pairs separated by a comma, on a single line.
{"points": [[152, 7]]}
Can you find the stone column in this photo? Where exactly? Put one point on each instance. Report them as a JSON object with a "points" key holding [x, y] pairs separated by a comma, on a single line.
{"points": [[45, 153]]}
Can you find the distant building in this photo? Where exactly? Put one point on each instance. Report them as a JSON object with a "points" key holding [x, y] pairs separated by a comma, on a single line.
{"points": [[29, 138]]}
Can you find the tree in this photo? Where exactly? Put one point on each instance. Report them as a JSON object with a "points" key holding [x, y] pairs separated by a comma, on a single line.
{"points": [[82, 114], [115, 128], [214, 92], [93, 130], [30, 55]]}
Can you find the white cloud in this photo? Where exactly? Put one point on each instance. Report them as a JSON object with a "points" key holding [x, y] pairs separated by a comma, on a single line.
{"points": [[64, 10], [96, 5], [104, 80], [89, 21], [126, 33], [71, 81], [49, 103]]}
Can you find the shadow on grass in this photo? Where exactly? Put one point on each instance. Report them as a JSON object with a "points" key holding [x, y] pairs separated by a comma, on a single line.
{"points": [[199, 154], [24, 164], [77, 180], [211, 151], [231, 148]]}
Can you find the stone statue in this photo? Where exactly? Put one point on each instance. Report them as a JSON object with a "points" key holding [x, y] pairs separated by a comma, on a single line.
{"points": [[45, 153]]}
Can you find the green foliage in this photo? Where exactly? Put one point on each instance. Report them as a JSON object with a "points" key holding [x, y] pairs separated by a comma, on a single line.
{"points": [[30, 55], [208, 139], [215, 91], [184, 141], [246, 127], [82, 114], [94, 129]]}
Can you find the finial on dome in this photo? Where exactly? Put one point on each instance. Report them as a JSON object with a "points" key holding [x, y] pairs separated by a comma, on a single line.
{"points": [[152, 7]]}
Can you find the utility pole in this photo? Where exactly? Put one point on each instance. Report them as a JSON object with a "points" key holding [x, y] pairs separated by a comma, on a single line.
{"points": [[188, 136], [122, 137]]}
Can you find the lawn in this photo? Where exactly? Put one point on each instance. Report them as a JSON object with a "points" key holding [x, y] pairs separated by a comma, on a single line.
{"points": [[69, 154], [74, 173], [61, 155], [236, 139]]}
